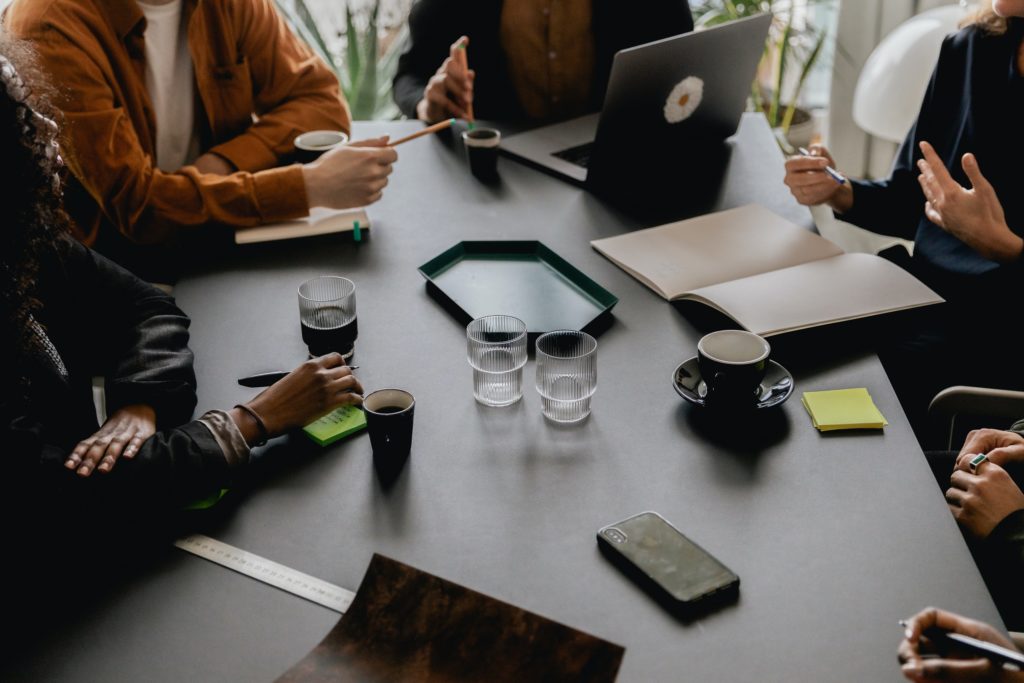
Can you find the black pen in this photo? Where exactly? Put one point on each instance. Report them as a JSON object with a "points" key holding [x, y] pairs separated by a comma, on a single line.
{"points": [[265, 379], [1008, 659]]}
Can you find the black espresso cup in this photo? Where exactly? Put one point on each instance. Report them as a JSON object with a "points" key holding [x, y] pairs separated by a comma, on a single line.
{"points": [[732, 364], [482, 151], [389, 414], [309, 146]]}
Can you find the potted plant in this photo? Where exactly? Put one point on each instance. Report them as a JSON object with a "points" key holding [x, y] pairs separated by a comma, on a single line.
{"points": [[368, 64], [793, 47]]}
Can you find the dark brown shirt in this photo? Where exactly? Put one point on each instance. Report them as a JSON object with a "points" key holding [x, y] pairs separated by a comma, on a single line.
{"points": [[550, 49]]}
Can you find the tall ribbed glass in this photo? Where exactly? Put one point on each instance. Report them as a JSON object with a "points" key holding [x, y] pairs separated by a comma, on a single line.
{"points": [[496, 349], [566, 374], [327, 312]]}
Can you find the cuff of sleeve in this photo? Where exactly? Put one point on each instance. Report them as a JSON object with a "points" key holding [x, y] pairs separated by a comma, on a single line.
{"points": [[247, 153], [228, 437], [281, 194], [1008, 532]]}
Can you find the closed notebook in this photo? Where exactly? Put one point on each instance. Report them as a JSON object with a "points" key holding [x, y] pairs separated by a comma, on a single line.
{"points": [[843, 409], [336, 424], [319, 222]]}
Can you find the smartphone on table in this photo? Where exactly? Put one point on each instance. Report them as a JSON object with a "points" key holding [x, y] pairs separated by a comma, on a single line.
{"points": [[677, 572]]}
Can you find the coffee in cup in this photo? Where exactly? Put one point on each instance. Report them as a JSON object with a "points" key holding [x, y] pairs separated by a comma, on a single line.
{"points": [[732, 364], [482, 150], [389, 414], [309, 146]]}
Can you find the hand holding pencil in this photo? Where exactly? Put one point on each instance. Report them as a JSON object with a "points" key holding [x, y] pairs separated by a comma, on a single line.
{"points": [[449, 92]]}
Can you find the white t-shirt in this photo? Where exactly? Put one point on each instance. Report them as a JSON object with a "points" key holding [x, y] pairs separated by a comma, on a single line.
{"points": [[169, 83]]}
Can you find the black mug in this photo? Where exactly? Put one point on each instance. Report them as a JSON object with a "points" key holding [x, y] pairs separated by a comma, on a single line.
{"points": [[732, 364], [482, 150], [309, 146], [389, 414]]}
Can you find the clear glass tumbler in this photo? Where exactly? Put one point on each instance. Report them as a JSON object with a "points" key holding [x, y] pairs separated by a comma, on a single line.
{"points": [[327, 312], [566, 374], [496, 349]]}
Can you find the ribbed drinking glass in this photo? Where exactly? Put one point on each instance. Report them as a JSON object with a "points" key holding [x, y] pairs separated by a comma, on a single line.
{"points": [[566, 374], [496, 349], [327, 311]]}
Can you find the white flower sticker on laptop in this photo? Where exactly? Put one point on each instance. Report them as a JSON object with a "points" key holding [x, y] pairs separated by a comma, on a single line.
{"points": [[684, 99]]}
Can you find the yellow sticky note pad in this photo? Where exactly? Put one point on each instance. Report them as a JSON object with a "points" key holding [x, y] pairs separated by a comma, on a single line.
{"points": [[843, 409], [335, 425]]}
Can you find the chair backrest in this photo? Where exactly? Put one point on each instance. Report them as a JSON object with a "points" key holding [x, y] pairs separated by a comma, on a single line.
{"points": [[957, 410]]}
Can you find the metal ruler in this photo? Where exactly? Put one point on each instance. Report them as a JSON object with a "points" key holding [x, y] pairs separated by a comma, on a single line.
{"points": [[269, 572]]}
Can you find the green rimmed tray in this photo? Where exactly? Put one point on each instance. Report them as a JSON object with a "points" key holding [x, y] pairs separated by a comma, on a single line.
{"points": [[520, 278]]}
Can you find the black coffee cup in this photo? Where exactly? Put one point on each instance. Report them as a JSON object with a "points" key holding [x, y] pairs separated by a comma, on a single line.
{"points": [[389, 414], [309, 146], [482, 150], [732, 364]]}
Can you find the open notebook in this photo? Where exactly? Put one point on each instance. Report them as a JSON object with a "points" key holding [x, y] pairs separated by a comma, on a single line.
{"points": [[319, 222], [766, 273]]}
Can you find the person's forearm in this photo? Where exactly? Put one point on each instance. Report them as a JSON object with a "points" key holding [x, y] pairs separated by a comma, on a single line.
{"points": [[842, 200]]}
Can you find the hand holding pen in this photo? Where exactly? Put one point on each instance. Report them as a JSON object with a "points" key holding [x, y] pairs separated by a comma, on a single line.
{"points": [[813, 180], [832, 173], [940, 645]]}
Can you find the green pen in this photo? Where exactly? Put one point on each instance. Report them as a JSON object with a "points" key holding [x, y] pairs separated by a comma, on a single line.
{"points": [[357, 234]]}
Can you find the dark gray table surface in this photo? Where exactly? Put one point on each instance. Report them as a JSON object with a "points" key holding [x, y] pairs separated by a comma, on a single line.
{"points": [[835, 537]]}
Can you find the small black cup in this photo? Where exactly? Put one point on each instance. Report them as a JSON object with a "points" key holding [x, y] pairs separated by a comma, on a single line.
{"points": [[732, 364], [389, 414], [482, 150], [309, 146]]}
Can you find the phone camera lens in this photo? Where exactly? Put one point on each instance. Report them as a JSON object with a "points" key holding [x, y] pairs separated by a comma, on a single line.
{"points": [[615, 535]]}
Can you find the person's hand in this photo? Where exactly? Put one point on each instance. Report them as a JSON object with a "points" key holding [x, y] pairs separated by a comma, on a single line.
{"points": [[973, 216], [121, 435], [213, 164], [449, 92], [312, 390], [811, 185], [350, 175], [981, 500], [919, 663], [1000, 447]]}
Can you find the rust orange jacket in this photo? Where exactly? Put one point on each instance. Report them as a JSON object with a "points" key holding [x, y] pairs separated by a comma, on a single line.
{"points": [[256, 87]]}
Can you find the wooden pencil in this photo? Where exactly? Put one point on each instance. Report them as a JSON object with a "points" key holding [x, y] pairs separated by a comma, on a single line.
{"points": [[426, 131], [464, 61]]}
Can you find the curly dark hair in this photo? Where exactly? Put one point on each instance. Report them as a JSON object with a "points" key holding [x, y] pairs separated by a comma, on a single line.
{"points": [[30, 194]]}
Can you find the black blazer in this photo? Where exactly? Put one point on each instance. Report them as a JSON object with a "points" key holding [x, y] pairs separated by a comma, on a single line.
{"points": [[970, 106], [435, 24], [104, 321]]}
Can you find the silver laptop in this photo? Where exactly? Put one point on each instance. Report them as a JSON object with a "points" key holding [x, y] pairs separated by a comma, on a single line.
{"points": [[664, 98]]}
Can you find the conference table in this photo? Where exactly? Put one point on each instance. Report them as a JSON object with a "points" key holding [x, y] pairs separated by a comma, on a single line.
{"points": [[834, 536]]}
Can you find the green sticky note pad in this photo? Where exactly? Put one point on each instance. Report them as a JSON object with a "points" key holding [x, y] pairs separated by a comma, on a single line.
{"points": [[843, 409], [335, 425]]}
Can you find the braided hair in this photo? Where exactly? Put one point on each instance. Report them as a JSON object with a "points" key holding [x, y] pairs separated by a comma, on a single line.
{"points": [[33, 221]]}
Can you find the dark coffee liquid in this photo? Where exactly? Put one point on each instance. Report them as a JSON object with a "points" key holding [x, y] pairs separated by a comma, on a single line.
{"points": [[389, 409], [330, 332]]}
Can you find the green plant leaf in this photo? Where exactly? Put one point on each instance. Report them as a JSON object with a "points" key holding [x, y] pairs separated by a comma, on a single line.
{"points": [[365, 98], [804, 73], [320, 45], [781, 49], [352, 65]]}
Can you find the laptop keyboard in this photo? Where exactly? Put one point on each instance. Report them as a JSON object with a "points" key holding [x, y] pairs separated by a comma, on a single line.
{"points": [[579, 155]]}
